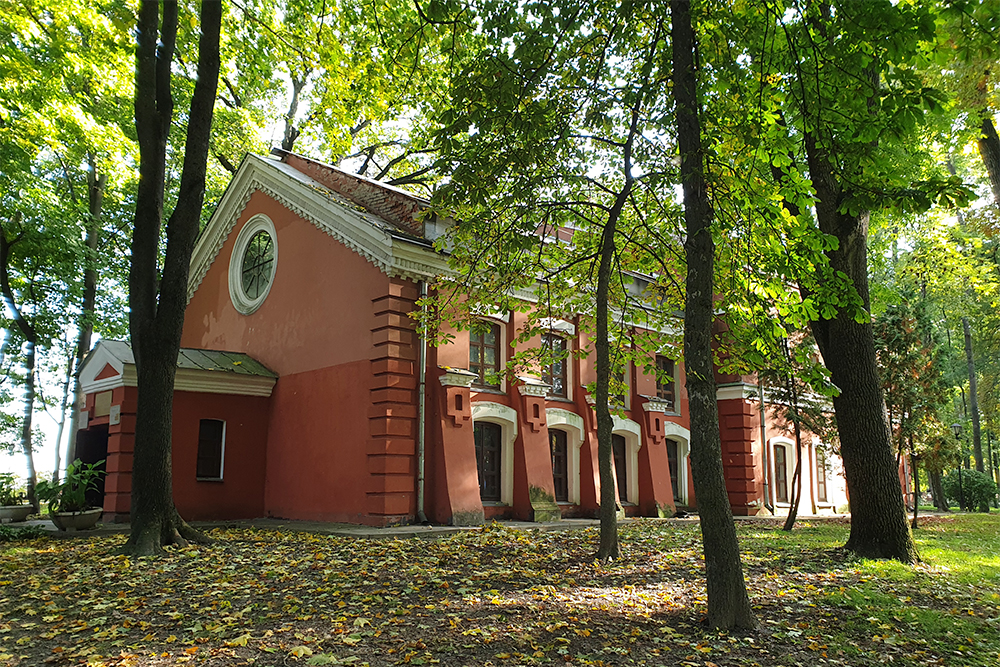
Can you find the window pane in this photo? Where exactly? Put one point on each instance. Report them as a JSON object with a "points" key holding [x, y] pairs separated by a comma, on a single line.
{"points": [[490, 337], [210, 437], [491, 357], [560, 476], [780, 475], [487, 437], [618, 448], [672, 462]]}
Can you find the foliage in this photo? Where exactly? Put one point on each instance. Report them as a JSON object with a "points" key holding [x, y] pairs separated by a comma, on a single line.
{"points": [[12, 534], [501, 595], [11, 491], [70, 495], [977, 488]]}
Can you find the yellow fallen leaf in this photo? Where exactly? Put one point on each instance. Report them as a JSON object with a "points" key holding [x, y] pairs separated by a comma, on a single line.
{"points": [[239, 641], [300, 651]]}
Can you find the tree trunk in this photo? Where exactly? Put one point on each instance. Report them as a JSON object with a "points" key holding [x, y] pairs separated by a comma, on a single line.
{"points": [[970, 362], [989, 149], [728, 602], [879, 527], [63, 408], [31, 339], [793, 511], [291, 132], [156, 316], [95, 189], [916, 485], [608, 548], [937, 491]]}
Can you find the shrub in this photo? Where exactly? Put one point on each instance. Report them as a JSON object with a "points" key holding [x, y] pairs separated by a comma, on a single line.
{"points": [[977, 488], [8, 534], [11, 491]]}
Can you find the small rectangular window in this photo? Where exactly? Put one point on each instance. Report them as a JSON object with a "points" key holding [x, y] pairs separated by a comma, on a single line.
{"points": [[211, 447], [665, 380], [485, 354], [554, 374], [621, 469]]}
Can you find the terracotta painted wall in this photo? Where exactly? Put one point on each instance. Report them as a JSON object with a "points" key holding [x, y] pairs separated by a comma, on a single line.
{"points": [[319, 330], [241, 492], [320, 300]]}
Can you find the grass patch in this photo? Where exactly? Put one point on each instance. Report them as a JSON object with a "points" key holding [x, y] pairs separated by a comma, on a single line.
{"points": [[501, 597]]}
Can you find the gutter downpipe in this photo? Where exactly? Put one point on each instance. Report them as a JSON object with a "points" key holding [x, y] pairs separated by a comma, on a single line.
{"points": [[421, 413], [763, 442]]}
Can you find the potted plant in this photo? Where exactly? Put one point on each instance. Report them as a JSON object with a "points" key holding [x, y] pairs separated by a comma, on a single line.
{"points": [[68, 507], [12, 507]]}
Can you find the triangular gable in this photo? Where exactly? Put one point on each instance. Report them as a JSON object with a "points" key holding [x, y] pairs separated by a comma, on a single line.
{"points": [[375, 239], [107, 372]]}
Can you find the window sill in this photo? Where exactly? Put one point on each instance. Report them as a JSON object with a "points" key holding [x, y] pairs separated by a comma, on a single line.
{"points": [[565, 503], [560, 399], [208, 479], [494, 503]]}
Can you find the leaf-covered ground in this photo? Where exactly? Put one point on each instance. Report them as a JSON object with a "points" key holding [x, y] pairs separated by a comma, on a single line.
{"points": [[500, 597]]}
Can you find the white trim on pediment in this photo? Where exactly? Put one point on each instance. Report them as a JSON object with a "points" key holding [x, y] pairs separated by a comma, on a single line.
{"points": [[328, 212]]}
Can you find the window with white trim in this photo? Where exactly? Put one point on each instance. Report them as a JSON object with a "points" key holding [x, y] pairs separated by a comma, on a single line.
{"points": [[486, 354], [253, 264], [556, 374], [821, 492]]}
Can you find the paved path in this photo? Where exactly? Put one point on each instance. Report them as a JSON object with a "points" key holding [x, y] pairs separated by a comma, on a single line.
{"points": [[369, 532]]}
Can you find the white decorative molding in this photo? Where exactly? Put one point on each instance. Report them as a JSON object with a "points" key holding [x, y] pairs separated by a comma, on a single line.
{"points": [[532, 386], [676, 432], [654, 405], [369, 236], [737, 390], [556, 325], [457, 377], [506, 418], [563, 418]]}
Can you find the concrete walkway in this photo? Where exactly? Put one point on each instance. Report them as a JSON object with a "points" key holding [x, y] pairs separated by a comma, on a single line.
{"points": [[370, 532]]}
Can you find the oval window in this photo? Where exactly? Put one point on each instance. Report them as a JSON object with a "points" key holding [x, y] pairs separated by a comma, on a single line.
{"points": [[252, 265]]}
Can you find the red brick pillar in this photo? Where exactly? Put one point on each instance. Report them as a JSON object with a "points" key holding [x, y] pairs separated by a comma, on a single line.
{"points": [[121, 445], [736, 428], [392, 420]]}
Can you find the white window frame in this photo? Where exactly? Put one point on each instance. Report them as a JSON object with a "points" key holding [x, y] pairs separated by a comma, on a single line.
{"points": [[632, 433], [817, 445], [501, 350], [243, 303], [789, 470], [568, 338], [572, 425], [682, 437], [506, 418]]}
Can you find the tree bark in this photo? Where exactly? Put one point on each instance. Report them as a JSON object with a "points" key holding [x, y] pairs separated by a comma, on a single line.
{"points": [[95, 190], [31, 339], [989, 150], [63, 408], [157, 306], [937, 491], [728, 602], [879, 527], [970, 362], [608, 548]]}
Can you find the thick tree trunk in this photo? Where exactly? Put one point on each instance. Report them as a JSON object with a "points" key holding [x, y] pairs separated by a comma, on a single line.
{"points": [[728, 602], [970, 362], [157, 315], [879, 526], [29, 408], [989, 149]]}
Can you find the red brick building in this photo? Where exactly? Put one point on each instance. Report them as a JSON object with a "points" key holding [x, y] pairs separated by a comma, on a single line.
{"points": [[304, 391]]}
